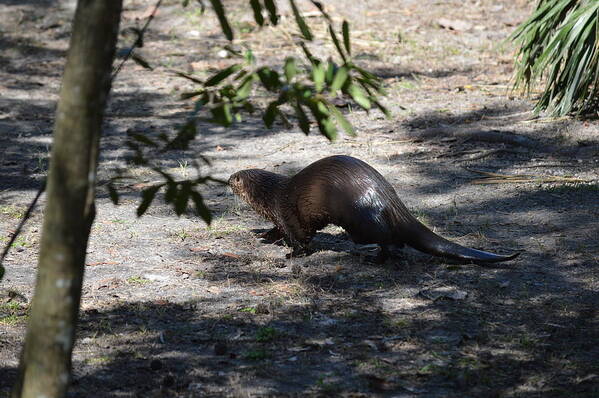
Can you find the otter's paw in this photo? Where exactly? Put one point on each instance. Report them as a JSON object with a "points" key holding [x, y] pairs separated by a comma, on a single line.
{"points": [[378, 259], [299, 252], [381, 257]]}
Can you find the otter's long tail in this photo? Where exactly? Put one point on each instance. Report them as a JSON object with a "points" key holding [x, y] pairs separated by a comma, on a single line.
{"points": [[427, 241]]}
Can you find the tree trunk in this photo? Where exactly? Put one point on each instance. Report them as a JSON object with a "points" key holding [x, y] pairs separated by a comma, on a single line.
{"points": [[45, 366]]}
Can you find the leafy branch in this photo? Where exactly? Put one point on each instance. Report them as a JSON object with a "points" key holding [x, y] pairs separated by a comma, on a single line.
{"points": [[304, 88]]}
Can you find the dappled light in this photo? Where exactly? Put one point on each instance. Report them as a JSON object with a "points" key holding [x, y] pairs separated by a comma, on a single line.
{"points": [[171, 306]]}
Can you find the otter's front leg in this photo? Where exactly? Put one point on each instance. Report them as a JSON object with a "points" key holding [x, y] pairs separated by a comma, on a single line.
{"points": [[299, 240], [300, 251], [300, 248], [272, 236], [296, 235], [383, 255]]}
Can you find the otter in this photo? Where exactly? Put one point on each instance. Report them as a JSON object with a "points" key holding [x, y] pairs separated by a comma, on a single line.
{"points": [[346, 192]]}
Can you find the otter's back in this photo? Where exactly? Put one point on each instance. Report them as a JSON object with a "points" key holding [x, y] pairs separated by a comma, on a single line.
{"points": [[347, 192]]}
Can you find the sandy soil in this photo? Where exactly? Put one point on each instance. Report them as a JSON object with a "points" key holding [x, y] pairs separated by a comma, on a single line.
{"points": [[173, 308]]}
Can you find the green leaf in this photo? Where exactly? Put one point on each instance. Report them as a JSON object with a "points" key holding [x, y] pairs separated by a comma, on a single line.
{"points": [[233, 51], [336, 42], [199, 104], [222, 114], [245, 88], [318, 110], [190, 94], [303, 92], [290, 68], [217, 5], [257, 12], [359, 96], [318, 74], [222, 75], [147, 196], [302, 118], [345, 28], [307, 53], [382, 108], [188, 77], [272, 11], [318, 5], [371, 84], [331, 70], [140, 61], [365, 74], [242, 73], [343, 122], [112, 193], [270, 113], [301, 23], [249, 57], [327, 128], [201, 208], [339, 79], [322, 108], [269, 78]]}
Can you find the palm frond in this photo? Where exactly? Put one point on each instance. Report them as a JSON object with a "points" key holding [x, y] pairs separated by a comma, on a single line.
{"points": [[559, 45]]}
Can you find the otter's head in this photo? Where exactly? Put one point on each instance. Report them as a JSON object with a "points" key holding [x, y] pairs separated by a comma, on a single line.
{"points": [[257, 188], [245, 182]]}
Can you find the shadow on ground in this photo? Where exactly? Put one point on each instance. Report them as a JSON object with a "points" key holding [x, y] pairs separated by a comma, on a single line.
{"points": [[351, 336]]}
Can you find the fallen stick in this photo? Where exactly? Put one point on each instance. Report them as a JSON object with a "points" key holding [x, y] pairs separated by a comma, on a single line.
{"points": [[496, 178]]}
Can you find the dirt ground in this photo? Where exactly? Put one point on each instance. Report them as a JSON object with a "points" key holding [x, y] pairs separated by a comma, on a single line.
{"points": [[173, 308]]}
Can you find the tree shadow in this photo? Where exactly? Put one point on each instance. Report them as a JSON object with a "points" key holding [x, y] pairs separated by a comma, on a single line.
{"points": [[372, 333]]}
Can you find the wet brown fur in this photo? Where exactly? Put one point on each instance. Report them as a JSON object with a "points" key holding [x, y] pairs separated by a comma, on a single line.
{"points": [[347, 192]]}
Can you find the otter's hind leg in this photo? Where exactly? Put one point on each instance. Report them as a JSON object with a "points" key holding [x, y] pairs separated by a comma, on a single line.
{"points": [[381, 257]]}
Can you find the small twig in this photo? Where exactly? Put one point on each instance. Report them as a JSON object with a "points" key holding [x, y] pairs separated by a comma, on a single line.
{"points": [[547, 165], [393, 142], [280, 149], [545, 120], [505, 116], [484, 154], [495, 178], [136, 44]]}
